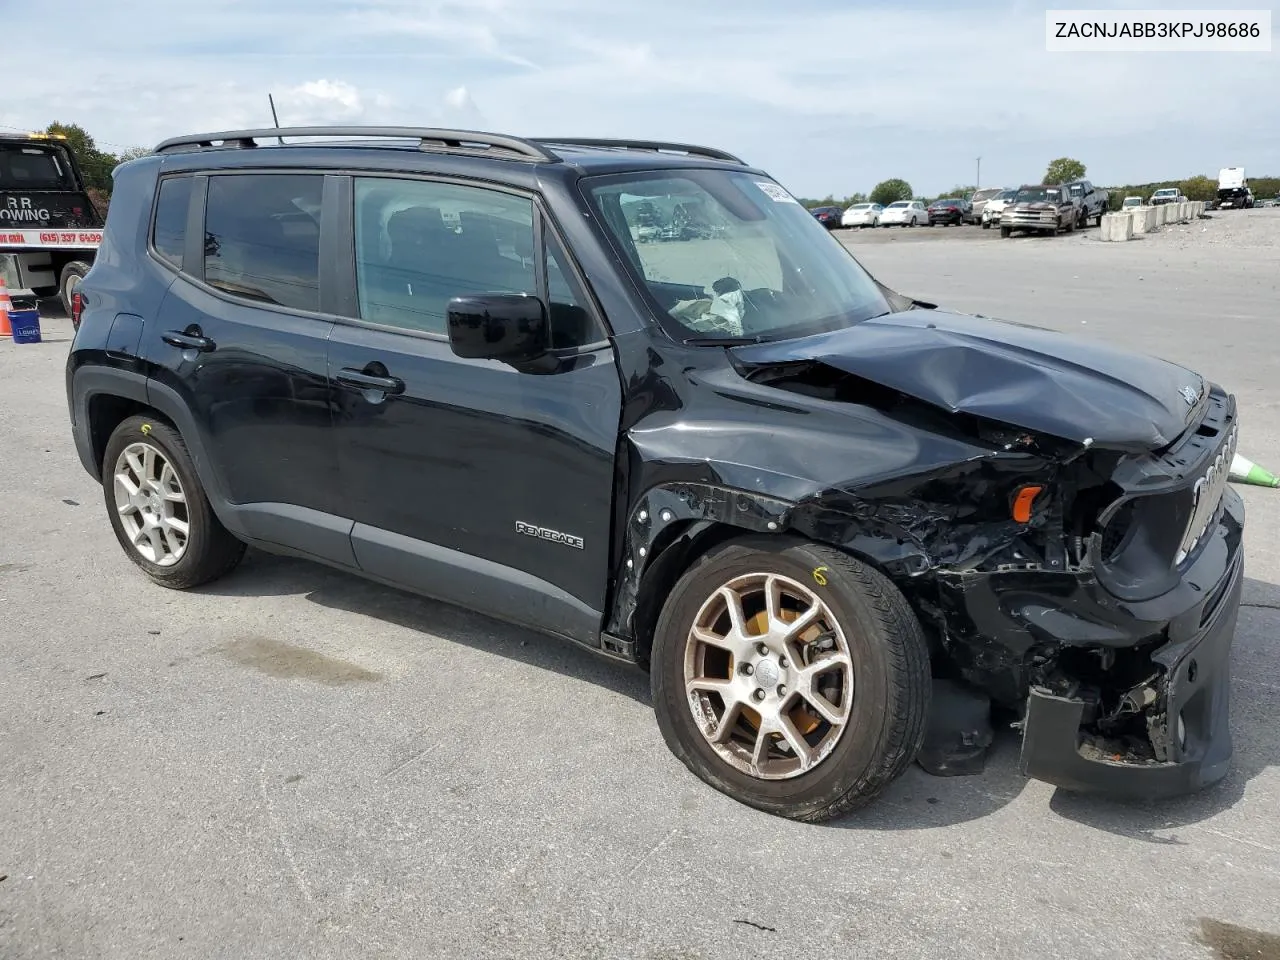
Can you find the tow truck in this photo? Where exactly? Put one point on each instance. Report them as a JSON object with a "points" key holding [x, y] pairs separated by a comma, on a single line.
{"points": [[49, 228]]}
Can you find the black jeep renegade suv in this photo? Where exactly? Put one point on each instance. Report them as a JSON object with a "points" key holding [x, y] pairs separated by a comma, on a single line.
{"points": [[634, 395]]}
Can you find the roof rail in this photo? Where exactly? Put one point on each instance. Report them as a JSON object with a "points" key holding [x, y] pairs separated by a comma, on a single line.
{"points": [[429, 139], [710, 153]]}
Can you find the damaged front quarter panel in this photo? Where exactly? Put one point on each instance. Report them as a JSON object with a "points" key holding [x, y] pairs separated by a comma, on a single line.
{"points": [[1074, 612]]}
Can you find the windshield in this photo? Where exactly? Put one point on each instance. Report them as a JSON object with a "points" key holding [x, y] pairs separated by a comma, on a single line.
{"points": [[986, 194], [754, 264], [1008, 194], [30, 167], [943, 203], [1133, 201], [861, 206], [1038, 195], [899, 205]]}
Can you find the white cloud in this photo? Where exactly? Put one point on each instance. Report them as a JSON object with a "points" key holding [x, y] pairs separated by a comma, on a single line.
{"points": [[826, 97]]}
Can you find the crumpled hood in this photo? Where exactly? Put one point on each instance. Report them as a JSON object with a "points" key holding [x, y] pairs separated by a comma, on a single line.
{"points": [[1039, 380]]}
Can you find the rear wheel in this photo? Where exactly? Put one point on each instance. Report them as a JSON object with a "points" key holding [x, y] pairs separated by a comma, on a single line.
{"points": [[69, 281], [790, 676], [159, 510]]}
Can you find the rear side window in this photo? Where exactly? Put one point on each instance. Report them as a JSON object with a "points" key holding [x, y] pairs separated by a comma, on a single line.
{"points": [[25, 167], [262, 237], [169, 234]]}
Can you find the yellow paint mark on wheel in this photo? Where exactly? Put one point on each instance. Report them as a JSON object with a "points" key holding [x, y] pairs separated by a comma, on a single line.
{"points": [[820, 576], [146, 429]]}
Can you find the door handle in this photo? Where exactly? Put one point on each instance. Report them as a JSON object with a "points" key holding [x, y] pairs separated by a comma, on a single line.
{"points": [[370, 381], [188, 341]]}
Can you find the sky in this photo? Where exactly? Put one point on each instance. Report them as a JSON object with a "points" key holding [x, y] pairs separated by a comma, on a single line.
{"points": [[830, 97]]}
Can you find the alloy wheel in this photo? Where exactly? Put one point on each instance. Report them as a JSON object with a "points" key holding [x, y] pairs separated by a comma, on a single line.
{"points": [[769, 676], [152, 504]]}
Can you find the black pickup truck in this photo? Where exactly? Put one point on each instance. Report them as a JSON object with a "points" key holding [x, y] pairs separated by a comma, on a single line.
{"points": [[1091, 202], [49, 228]]}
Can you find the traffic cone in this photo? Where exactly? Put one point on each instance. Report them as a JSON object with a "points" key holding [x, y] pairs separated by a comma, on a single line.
{"points": [[1246, 471], [5, 306]]}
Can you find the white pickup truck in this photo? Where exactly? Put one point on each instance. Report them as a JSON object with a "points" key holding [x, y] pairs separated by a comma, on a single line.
{"points": [[1167, 195]]}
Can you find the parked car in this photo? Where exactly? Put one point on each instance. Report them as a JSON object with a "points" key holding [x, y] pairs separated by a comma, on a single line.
{"points": [[995, 206], [862, 215], [904, 213], [1042, 208], [1091, 202], [1167, 195], [979, 200], [953, 210], [795, 504], [829, 217], [1132, 202]]}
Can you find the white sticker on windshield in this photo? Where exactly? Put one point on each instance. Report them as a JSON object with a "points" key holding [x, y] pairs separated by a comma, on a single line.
{"points": [[775, 192]]}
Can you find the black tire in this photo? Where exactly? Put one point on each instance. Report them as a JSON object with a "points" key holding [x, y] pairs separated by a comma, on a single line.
{"points": [[211, 550], [1006, 232], [68, 280], [886, 724]]}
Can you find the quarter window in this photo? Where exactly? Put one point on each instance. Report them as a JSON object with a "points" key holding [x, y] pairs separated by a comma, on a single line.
{"points": [[572, 325], [262, 238], [420, 244], [169, 235]]}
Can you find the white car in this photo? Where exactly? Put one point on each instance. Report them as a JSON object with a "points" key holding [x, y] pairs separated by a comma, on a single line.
{"points": [[904, 213], [862, 215], [1133, 202], [992, 208]]}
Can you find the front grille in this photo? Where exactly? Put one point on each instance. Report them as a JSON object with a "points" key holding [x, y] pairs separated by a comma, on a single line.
{"points": [[1029, 216], [1207, 496]]}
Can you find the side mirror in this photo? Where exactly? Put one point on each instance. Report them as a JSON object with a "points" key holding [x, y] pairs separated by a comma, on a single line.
{"points": [[510, 327]]}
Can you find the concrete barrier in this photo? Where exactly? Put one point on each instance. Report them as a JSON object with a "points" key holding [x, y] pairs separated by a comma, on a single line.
{"points": [[1199, 208], [1144, 220], [1117, 226], [1162, 214]]}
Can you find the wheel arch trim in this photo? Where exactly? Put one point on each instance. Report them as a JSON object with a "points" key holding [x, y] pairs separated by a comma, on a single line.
{"points": [[692, 517]]}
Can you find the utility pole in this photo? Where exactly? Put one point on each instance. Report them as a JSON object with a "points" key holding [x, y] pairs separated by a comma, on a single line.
{"points": [[978, 182]]}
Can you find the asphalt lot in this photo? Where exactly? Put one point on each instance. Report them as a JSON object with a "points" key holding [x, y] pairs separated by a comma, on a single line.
{"points": [[293, 763]]}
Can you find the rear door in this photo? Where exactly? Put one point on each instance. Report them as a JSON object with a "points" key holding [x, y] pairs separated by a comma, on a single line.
{"points": [[469, 480], [239, 346]]}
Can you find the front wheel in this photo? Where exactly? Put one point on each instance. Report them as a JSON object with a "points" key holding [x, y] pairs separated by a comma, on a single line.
{"points": [[790, 676], [159, 510], [1006, 232]]}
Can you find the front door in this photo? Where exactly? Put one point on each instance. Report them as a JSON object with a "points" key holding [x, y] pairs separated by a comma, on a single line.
{"points": [[467, 479]]}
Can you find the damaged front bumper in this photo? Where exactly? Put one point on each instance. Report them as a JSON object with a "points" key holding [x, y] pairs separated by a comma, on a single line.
{"points": [[1186, 709]]}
